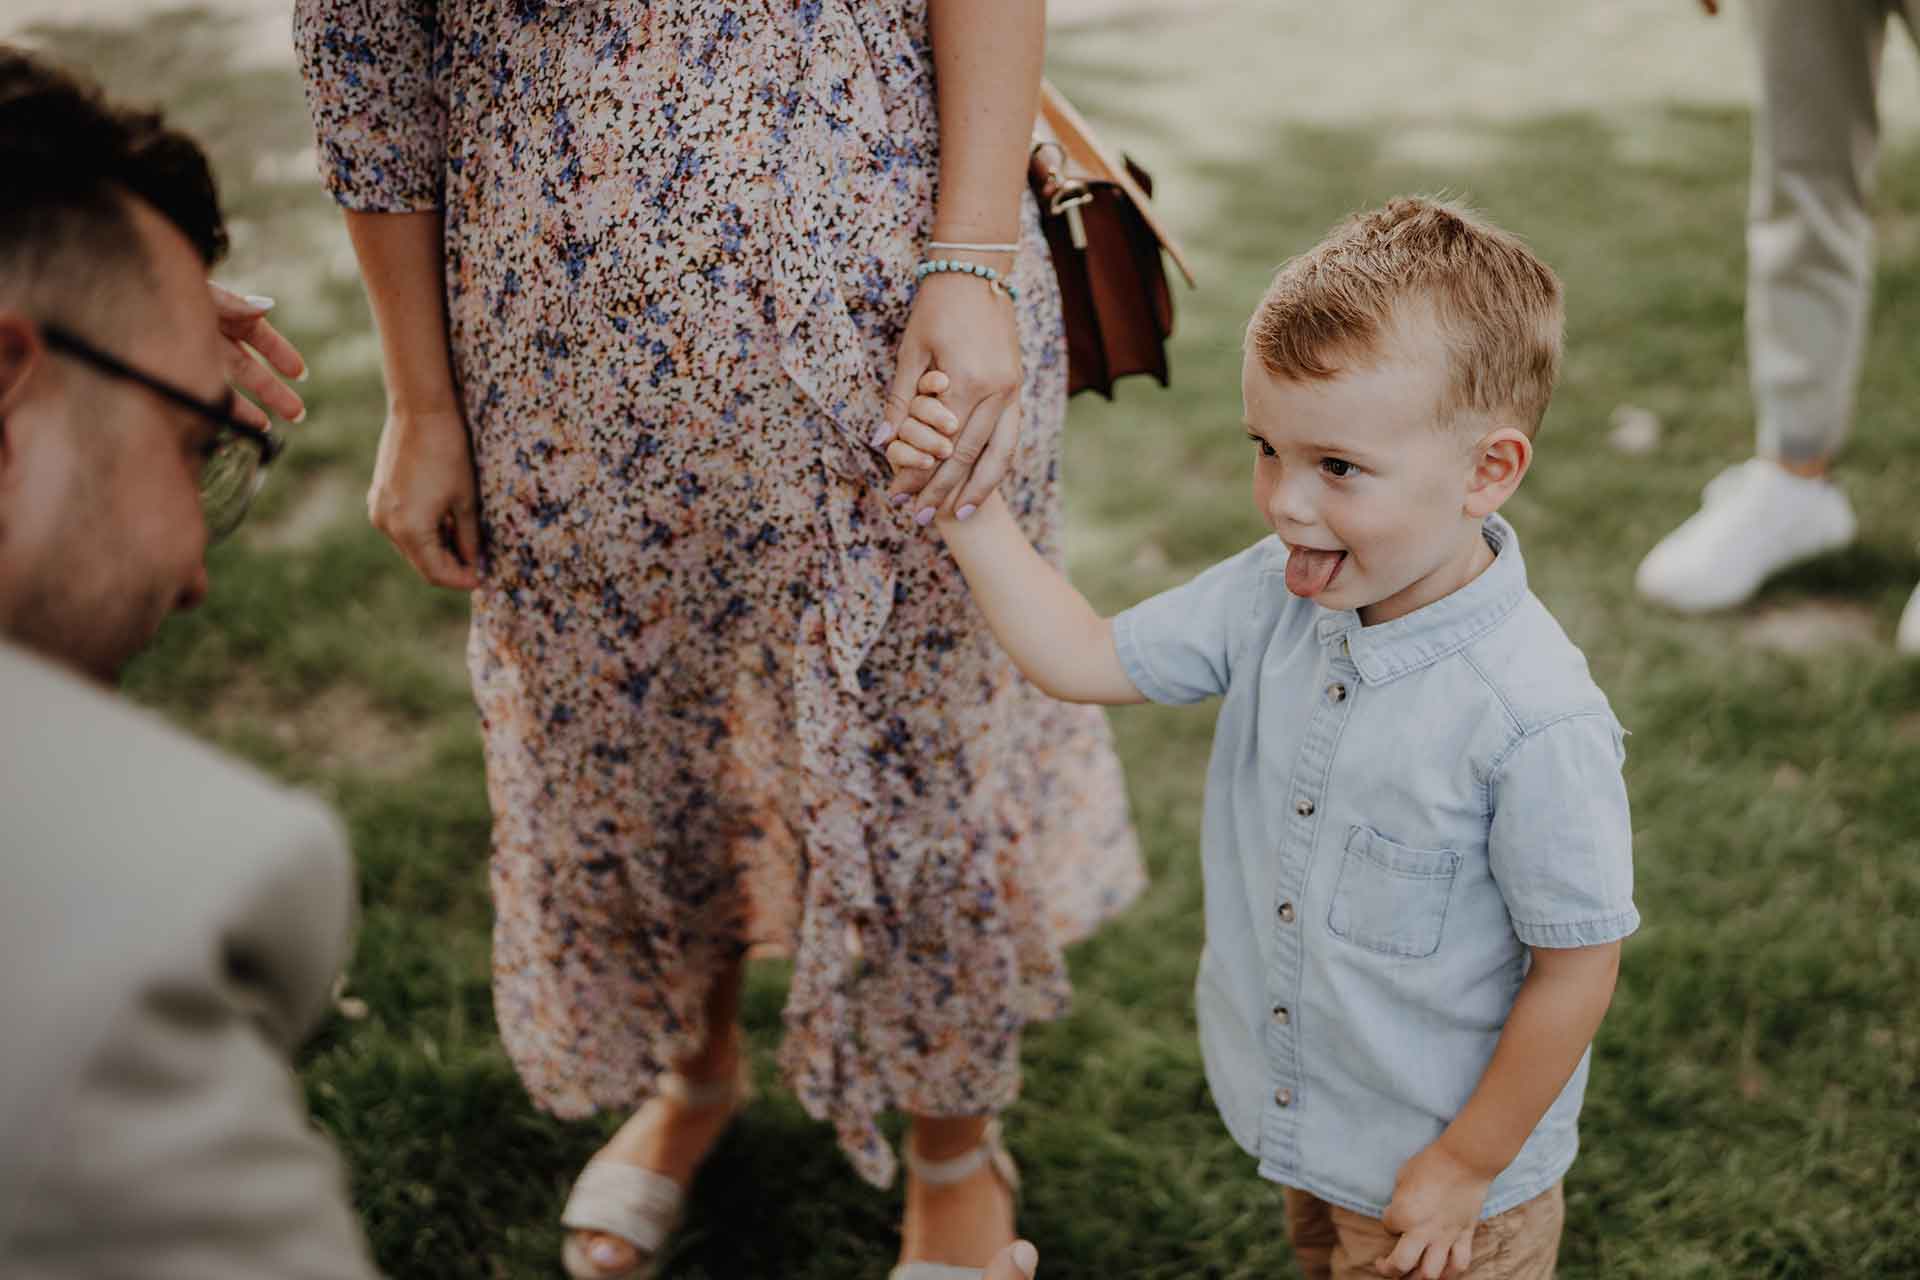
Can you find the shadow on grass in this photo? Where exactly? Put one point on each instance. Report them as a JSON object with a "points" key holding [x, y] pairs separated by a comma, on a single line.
{"points": [[1863, 573]]}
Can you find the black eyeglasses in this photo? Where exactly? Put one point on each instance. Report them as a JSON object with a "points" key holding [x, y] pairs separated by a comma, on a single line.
{"points": [[236, 461]]}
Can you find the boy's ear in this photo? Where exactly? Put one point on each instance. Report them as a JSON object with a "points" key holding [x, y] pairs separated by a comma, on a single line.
{"points": [[1500, 461]]}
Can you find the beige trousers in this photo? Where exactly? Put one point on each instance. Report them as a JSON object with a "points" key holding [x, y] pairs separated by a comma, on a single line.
{"points": [[1816, 137], [1331, 1243]]}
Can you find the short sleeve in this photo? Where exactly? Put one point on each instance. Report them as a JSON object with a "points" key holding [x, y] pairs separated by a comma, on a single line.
{"points": [[1178, 646], [1561, 845], [378, 117]]}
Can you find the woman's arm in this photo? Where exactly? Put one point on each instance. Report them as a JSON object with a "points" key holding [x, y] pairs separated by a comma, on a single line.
{"points": [[423, 492], [987, 56], [402, 266]]}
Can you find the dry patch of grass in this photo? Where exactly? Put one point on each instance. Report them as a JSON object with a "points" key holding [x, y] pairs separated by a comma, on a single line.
{"points": [[340, 728]]}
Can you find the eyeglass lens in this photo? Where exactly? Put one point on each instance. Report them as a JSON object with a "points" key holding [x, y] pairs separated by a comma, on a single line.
{"points": [[230, 479]]}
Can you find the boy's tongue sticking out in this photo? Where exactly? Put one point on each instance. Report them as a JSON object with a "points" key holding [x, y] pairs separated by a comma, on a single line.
{"points": [[1310, 570]]}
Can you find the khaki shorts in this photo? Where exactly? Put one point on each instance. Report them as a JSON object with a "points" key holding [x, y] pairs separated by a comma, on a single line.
{"points": [[1332, 1243]]}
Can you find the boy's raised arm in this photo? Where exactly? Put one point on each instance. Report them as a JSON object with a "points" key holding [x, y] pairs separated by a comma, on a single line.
{"points": [[1053, 635]]}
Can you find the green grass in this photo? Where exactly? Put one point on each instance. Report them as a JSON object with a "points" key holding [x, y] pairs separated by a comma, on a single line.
{"points": [[1753, 1105]]}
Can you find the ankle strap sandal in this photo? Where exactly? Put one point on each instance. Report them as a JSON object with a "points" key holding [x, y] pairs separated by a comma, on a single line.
{"points": [[638, 1205], [991, 1152]]}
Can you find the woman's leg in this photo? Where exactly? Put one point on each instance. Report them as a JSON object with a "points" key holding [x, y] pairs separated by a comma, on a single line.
{"points": [[671, 1137], [963, 1223]]}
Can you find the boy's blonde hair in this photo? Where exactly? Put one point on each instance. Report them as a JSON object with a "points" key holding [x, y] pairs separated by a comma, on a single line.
{"points": [[1495, 309]]}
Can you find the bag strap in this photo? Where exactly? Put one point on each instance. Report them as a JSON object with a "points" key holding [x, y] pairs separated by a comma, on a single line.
{"points": [[1074, 138]]}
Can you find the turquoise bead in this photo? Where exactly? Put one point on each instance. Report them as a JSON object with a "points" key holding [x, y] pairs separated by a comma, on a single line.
{"points": [[936, 266]]}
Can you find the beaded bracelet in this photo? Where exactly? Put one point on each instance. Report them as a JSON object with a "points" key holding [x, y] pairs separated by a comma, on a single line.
{"points": [[937, 266]]}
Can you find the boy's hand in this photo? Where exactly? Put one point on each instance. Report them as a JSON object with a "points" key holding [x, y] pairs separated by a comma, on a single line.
{"points": [[925, 439], [1436, 1206]]}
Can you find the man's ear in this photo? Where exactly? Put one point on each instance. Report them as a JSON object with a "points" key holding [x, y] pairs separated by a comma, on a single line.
{"points": [[21, 351], [1500, 462]]}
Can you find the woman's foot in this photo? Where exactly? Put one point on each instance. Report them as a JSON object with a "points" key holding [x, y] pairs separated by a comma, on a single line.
{"points": [[965, 1222], [670, 1136]]}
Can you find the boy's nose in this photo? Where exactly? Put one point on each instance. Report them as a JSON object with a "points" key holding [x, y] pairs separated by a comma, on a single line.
{"points": [[1289, 503]]}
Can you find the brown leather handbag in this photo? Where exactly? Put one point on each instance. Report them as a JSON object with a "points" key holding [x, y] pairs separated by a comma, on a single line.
{"points": [[1106, 246]]}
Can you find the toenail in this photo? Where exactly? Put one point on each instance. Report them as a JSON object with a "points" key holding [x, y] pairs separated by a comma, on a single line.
{"points": [[605, 1253]]}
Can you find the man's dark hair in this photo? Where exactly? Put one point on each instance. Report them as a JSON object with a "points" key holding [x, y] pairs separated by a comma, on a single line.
{"points": [[69, 161]]}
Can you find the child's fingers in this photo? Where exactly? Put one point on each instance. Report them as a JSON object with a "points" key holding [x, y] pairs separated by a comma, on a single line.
{"points": [[904, 457], [1406, 1254], [933, 383], [936, 415], [926, 439]]}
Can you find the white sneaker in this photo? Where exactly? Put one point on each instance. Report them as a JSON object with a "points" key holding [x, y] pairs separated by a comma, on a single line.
{"points": [[1907, 638], [1755, 519]]}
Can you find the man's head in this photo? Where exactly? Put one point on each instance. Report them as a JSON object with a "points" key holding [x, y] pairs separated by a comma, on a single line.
{"points": [[108, 223], [1394, 377]]}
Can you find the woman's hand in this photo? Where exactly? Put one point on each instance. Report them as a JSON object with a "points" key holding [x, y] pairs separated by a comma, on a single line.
{"points": [[243, 323], [967, 330], [424, 495]]}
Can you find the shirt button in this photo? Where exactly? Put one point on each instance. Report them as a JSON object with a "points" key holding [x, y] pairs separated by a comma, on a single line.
{"points": [[1284, 1097], [1303, 807], [1336, 693], [1280, 1014], [1286, 913]]}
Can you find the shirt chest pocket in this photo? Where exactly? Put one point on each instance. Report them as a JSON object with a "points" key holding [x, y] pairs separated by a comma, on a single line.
{"points": [[1390, 898]]}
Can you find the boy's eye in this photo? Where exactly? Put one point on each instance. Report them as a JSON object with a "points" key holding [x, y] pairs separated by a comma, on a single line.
{"points": [[1337, 467]]}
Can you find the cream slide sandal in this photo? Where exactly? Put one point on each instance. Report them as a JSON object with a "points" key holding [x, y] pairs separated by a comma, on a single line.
{"points": [[944, 1173], [638, 1205]]}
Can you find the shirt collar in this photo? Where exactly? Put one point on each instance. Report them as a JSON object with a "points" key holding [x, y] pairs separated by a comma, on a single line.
{"points": [[1393, 649]]}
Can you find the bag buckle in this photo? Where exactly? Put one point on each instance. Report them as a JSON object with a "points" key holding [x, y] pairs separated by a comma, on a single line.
{"points": [[1067, 200]]}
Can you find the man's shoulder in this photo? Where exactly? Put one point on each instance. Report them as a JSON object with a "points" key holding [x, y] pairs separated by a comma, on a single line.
{"points": [[154, 885], [78, 761], [1534, 669], [133, 848]]}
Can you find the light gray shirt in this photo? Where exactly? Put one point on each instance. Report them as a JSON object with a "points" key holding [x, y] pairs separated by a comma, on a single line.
{"points": [[171, 922], [1394, 815]]}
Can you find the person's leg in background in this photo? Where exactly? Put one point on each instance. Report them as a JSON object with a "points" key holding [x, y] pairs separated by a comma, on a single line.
{"points": [[1907, 638], [1809, 284]]}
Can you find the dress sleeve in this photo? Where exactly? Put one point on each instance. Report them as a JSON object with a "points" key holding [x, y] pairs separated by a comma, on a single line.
{"points": [[1178, 646], [378, 115], [1561, 845]]}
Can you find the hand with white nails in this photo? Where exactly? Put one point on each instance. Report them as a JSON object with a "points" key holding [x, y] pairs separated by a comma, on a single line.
{"points": [[258, 358]]}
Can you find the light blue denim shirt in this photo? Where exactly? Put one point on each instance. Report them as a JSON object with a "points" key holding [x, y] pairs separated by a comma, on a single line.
{"points": [[1394, 815]]}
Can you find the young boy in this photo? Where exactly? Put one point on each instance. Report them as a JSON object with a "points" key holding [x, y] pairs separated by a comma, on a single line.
{"points": [[1417, 853]]}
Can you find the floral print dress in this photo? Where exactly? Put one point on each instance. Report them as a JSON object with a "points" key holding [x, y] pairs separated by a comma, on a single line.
{"points": [[730, 696]]}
